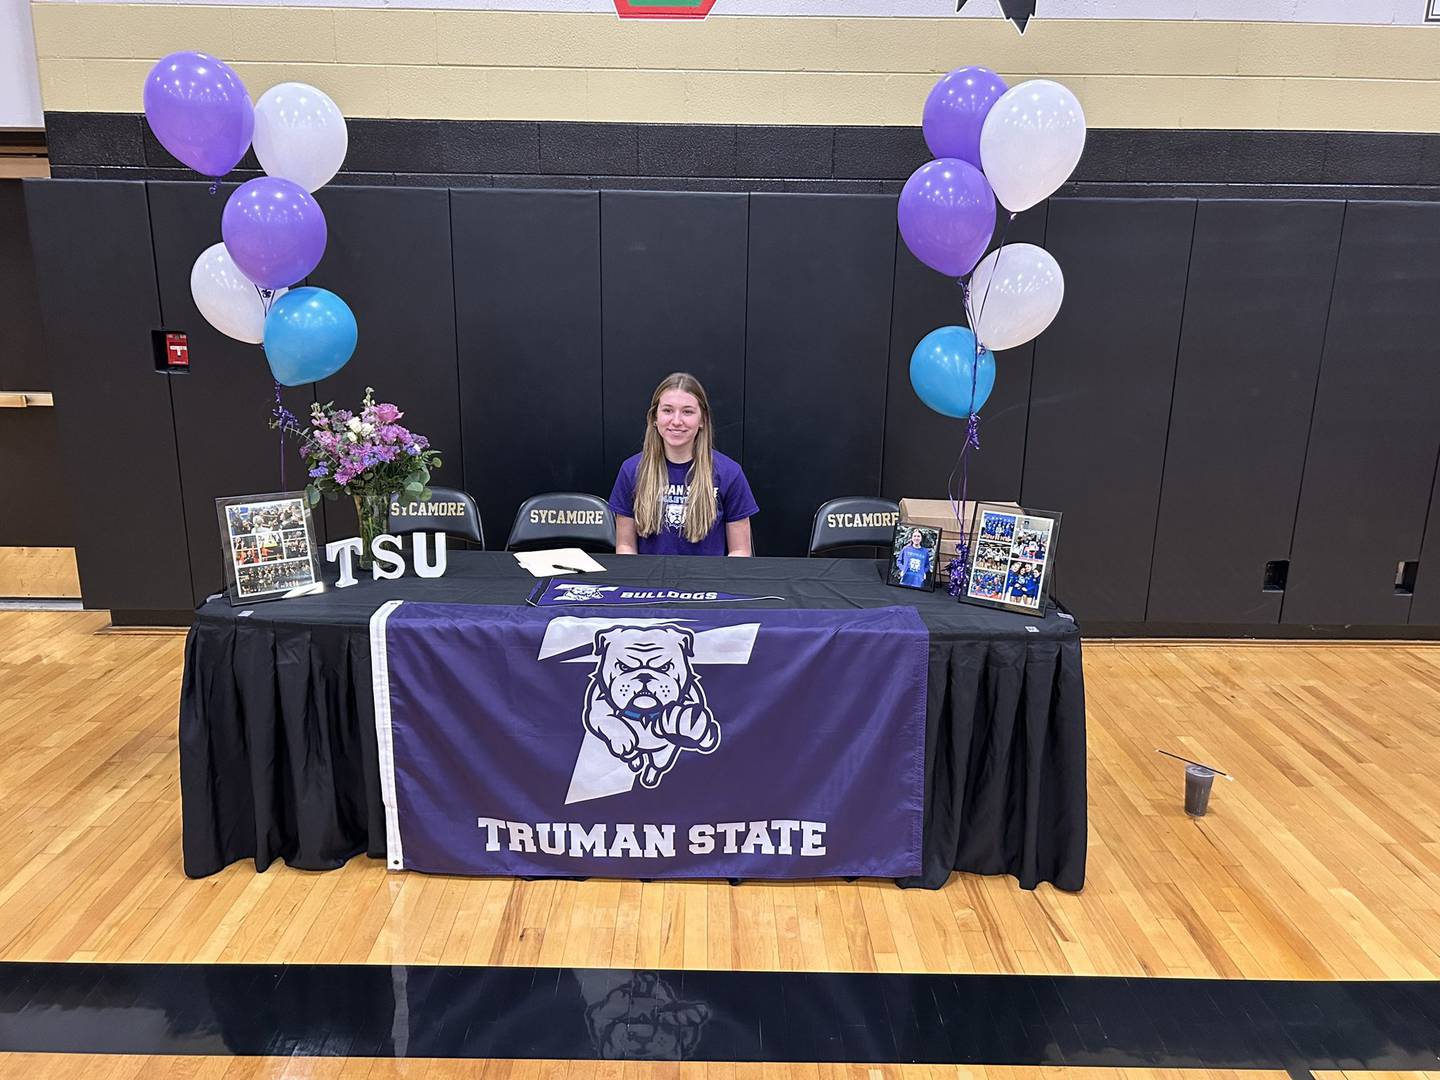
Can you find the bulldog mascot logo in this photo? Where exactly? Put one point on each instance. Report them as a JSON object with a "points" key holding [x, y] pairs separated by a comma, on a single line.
{"points": [[581, 593], [645, 700]]}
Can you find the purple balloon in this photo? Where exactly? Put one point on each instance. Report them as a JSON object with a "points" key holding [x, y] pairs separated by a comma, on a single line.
{"points": [[955, 112], [274, 231], [947, 214], [200, 111]]}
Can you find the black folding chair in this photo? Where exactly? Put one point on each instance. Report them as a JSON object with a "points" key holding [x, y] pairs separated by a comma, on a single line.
{"points": [[853, 521], [448, 510], [563, 519]]}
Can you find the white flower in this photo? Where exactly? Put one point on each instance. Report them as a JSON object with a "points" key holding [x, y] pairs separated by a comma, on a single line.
{"points": [[354, 424], [367, 429], [353, 437]]}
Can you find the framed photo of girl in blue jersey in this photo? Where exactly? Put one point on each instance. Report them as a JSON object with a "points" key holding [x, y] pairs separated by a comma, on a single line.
{"points": [[914, 556], [1012, 558]]}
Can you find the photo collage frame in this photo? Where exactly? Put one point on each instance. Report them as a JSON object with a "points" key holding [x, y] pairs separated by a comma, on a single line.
{"points": [[269, 544], [1012, 558]]}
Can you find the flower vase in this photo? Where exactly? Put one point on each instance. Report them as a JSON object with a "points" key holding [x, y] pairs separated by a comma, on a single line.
{"points": [[373, 513]]}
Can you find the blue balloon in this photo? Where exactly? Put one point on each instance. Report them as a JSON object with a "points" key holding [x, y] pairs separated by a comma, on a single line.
{"points": [[309, 334], [944, 372]]}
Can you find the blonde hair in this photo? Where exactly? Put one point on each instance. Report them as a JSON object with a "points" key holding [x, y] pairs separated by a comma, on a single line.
{"points": [[653, 476]]}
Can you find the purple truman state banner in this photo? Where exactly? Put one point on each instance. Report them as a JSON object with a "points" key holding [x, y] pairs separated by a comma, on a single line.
{"points": [[695, 743]]}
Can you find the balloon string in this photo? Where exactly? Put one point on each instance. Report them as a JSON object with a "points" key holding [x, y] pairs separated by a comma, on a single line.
{"points": [[214, 186], [999, 250], [960, 566], [280, 405], [284, 421], [975, 328]]}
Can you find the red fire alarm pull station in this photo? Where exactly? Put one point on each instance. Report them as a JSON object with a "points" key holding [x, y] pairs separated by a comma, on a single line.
{"points": [[172, 351], [177, 351]]}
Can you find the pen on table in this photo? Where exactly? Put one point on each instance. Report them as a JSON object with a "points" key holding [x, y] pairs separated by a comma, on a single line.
{"points": [[570, 569]]}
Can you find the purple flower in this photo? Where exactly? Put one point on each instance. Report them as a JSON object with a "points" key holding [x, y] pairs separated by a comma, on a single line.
{"points": [[346, 447]]}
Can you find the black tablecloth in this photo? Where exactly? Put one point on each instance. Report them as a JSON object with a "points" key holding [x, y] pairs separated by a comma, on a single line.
{"points": [[277, 732]]}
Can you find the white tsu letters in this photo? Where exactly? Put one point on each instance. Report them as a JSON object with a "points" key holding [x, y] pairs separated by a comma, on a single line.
{"points": [[389, 562]]}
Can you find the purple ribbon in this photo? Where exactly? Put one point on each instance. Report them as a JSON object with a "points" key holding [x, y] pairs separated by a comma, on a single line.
{"points": [[283, 419], [959, 566]]}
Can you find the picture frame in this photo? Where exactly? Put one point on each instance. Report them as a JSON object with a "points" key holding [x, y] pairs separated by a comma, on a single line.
{"points": [[1012, 558], [1432, 11], [914, 565], [270, 546]]}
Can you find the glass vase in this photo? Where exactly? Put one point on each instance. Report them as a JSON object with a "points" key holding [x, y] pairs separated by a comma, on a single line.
{"points": [[373, 513]]}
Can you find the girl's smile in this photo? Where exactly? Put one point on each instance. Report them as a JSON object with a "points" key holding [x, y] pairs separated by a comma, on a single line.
{"points": [[677, 418]]}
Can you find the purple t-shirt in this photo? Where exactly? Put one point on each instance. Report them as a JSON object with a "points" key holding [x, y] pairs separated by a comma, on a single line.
{"points": [[733, 498]]}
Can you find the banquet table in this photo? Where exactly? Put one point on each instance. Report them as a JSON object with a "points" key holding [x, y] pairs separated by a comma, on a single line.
{"points": [[278, 747]]}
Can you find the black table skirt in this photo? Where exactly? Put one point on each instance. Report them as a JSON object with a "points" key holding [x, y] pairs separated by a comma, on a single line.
{"points": [[277, 730]]}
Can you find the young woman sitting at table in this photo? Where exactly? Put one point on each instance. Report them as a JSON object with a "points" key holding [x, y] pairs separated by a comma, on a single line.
{"points": [[679, 495]]}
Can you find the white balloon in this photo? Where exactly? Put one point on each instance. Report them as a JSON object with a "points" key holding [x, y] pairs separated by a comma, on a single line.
{"points": [[300, 134], [230, 302], [1015, 293], [1031, 142]]}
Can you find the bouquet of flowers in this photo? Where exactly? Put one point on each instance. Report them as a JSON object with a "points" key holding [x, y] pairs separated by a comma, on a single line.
{"points": [[368, 456]]}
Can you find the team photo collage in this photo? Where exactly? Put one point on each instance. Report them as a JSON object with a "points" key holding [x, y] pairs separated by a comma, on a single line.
{"points": [[1010, 558], [271, 546]]}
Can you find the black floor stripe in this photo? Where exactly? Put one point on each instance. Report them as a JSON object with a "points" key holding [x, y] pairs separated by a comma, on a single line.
{"points": [[507, 1012]]}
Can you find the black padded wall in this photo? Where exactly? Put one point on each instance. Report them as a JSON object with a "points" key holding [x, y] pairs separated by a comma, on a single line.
{"points": [[816, 358], [38, 507], [1100, 397], [1425, 604], [527, 296], [672, 269], [921, 446], [388, 257], [1374, 438], [96, 275], [1259, 291], [222, 406], [22, 344], [28, 437], [533, 324]]}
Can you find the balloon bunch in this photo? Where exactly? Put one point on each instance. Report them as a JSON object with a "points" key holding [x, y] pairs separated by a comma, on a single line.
{"points": [[1015, 144], [273, 230]]}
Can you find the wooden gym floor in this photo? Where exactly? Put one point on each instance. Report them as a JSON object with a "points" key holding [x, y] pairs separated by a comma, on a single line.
{"points": [[1320, 861]]}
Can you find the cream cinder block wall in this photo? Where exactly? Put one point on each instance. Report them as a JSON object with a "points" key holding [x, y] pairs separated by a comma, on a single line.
{"points": [[752, 69]]}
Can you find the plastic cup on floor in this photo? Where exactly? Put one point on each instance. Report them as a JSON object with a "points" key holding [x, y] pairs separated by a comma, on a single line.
{"points": [[1198, 782]]}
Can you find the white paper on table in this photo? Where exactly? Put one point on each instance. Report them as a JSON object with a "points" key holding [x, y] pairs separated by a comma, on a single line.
{"points": [[554, 561]]}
